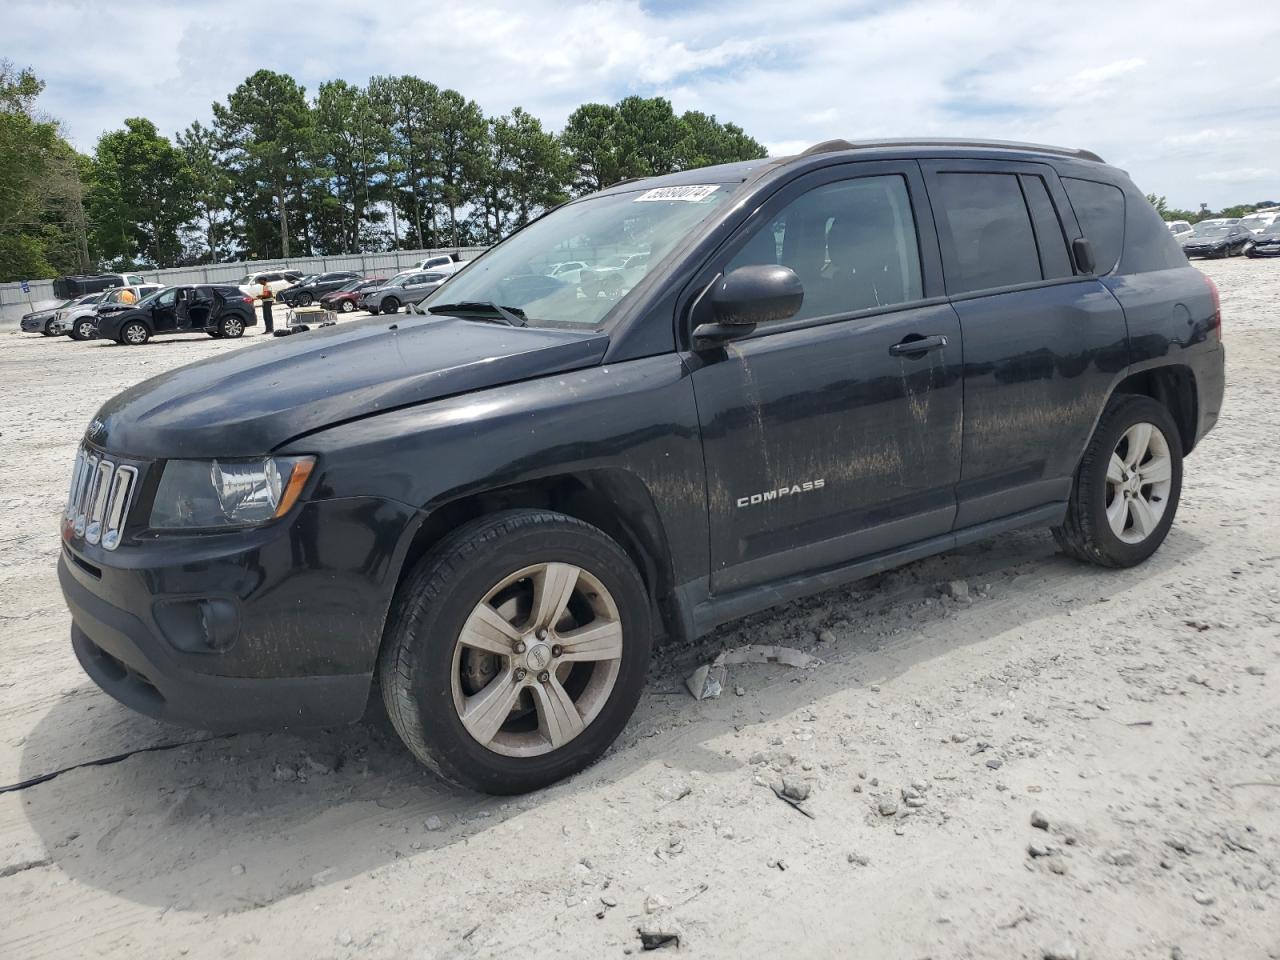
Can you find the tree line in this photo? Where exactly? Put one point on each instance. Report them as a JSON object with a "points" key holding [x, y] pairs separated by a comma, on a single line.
{"points": [[397, 163], [1204, 213]]}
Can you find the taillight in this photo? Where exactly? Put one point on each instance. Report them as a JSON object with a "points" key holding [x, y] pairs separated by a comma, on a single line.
{"points": [[247, 299], [1217, 308]]}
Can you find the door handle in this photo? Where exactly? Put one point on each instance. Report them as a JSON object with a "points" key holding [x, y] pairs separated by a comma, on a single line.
{"points": [[916, 346]]}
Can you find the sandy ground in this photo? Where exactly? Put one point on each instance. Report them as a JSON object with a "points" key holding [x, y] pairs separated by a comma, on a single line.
{"points": [[1135, 712]]}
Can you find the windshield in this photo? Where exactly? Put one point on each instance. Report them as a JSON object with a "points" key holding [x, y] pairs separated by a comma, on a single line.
{"points": [[1212, 229], [1273, 230], [598, 234], [1254, 223]]}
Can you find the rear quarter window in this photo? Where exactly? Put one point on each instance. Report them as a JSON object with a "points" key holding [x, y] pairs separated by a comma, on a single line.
{"points": [[1100, 210], [1148, 244]]}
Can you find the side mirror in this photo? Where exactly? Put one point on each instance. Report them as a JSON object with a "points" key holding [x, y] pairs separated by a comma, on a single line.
{"points": [[747, 296], [1082, 252]]}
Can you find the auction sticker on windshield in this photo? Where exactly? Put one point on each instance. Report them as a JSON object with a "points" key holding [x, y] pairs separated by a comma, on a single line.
{"points": [[692, 194]]}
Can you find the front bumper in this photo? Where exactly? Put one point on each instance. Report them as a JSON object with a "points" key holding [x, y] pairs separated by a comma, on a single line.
{"points": [[1265, 250], [271, 628]]}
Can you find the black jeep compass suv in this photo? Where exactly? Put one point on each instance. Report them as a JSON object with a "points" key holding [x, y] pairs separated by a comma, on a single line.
{"points": [[764, 379]]}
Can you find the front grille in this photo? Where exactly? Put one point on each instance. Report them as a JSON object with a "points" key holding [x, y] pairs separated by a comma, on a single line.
{"points": [[98, 503]]}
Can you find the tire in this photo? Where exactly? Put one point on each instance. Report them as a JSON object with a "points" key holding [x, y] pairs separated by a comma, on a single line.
{"points": [[389, 305], [82, 330], [232, 328], [1101, 529], [347, 307], [427, 673], [304, 300], [134, 334], [48, 329]]}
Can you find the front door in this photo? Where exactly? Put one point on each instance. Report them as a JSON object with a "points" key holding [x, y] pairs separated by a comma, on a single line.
{"points": [[164, 311], [828, 437]]}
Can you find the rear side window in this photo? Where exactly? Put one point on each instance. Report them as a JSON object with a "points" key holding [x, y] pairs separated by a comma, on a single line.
{"points": [[989, 228], [852, 243], [1054, 261], [1099, 208]]}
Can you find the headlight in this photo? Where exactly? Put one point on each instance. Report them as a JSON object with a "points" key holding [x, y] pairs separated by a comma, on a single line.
{"points": [[227, 493]]}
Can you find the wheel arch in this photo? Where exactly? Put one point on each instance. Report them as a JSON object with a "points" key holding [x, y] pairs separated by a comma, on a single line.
{"points": [[615, 501], [1174, 386]]}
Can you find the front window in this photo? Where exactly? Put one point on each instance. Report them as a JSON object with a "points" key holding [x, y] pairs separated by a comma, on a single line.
{"points": [[599, 233]]}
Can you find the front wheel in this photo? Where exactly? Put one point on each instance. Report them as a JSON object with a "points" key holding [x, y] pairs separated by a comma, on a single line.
{"points": [[82, 330], [1127, 486], [134, 333], [347, 306], [390, 305], [516, 651], [304, 300]]}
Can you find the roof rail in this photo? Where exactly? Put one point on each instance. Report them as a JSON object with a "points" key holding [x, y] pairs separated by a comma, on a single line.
{"points": [[831, 146]]}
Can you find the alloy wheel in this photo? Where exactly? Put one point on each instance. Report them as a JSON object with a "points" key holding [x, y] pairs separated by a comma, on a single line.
{"points": [[233, 327], [537, 660], [1139, 476]]}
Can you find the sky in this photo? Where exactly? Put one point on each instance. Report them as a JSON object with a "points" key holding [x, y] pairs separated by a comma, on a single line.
{"points": [[1184, 96]]}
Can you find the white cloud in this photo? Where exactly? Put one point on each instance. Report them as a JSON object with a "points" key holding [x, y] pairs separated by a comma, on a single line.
{"points": [[1239, 175], [1140, 82]]}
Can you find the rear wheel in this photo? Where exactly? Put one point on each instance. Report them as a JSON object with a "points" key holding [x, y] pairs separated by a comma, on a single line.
{"points": [[516, 651], [1127, 486], [134, 333], [231, 327]]}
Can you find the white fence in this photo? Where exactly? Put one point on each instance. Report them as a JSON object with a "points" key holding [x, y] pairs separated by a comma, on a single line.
{"points": [[14, 303]]}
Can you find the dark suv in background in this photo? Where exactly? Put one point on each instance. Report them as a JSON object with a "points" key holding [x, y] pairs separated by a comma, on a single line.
{"points": [[218, 310], [819, 367], [308, 292]]}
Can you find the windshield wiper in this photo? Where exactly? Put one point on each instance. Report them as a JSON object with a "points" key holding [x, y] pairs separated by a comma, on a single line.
{"points": [[485, 310]]}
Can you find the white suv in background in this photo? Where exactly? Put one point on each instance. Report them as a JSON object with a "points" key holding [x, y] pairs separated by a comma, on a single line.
{"points": [[1259, 220], [251, 284], [1181, 229]]}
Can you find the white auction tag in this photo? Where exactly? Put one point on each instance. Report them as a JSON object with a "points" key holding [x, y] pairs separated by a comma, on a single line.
{"points": [[690, 194]]}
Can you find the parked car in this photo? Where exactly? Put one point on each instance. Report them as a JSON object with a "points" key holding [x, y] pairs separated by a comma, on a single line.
{"points": [[310, 289], [44, 321], [498, 508], [80, 323], [1258, 221], [401, 290], [1180, 229], [218, 310], [280, 281], [346, 299], [445, 263], [73, 287], [1267, 243], [570, 271], [1217, 240]]}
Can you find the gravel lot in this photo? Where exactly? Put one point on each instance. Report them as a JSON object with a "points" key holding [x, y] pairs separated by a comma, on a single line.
{"points": [[1133, 714]]}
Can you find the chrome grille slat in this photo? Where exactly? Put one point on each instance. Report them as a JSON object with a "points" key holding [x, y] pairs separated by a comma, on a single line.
{"points": [[97, 504], [99, 499]]}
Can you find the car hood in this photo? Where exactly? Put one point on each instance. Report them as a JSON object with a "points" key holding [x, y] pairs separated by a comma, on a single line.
{"points": [[252, 400]]}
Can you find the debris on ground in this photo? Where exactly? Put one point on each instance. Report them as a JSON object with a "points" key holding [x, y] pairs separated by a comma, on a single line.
{"points": [[707, 682]]}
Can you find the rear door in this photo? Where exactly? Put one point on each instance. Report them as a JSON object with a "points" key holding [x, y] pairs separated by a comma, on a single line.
{"points": [[826, 438], [1043, 342]]}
